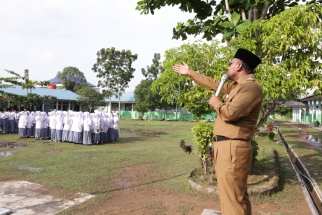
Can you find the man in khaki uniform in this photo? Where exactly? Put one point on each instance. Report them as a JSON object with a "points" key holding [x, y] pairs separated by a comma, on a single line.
{"points": [[234, 127]]}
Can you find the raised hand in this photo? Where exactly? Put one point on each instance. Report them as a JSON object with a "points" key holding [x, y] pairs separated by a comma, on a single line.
{"points": [[181, 69]]}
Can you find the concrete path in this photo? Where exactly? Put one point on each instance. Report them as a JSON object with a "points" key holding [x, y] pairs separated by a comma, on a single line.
{"points": [[210, 212], [25, 198]]}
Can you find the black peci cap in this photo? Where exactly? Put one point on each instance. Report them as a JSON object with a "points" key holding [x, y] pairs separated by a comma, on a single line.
{"points": [[248, 57]]}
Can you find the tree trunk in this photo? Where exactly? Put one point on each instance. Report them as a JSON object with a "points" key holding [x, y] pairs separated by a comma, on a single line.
{"points": [[243, 13], [250, 14], [255, 13], [228, 10], [265, 115], [265, 9], [119, 106], [110, 104]]}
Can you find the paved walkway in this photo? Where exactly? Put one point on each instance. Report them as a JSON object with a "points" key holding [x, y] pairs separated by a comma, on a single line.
{"points": [[25, 198]]}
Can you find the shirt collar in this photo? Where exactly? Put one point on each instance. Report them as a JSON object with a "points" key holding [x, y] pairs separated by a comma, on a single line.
{"points": [[245, 78]]}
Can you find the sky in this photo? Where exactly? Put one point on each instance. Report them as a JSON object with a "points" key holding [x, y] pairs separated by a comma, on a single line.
{"points": [[45, 36]]}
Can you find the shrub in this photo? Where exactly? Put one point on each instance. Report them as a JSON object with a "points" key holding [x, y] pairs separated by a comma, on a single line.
{"points": [[271, 135], [255, 150], [203, 137]]}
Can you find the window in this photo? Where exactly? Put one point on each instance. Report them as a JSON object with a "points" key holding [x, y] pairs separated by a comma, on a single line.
{"points": [[76, 106], [128, 107], [115, 107], [65, 106]]}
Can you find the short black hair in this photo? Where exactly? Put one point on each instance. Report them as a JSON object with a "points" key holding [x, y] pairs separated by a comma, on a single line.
{"points": [[247, 68]]}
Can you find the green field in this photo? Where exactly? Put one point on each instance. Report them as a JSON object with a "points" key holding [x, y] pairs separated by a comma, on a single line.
{"points": [[154, 145]]}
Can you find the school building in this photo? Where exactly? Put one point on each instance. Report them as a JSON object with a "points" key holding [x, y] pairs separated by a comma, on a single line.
{"points": [[308, 110]]}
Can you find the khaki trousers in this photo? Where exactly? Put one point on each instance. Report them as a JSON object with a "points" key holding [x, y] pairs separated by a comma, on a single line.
{"points": [[233, 159]]}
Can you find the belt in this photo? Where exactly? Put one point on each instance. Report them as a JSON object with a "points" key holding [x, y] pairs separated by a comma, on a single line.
{"points": [[220, 138]]}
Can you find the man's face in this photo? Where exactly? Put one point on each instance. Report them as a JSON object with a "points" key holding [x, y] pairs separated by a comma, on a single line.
{"points": [[233, 67]]}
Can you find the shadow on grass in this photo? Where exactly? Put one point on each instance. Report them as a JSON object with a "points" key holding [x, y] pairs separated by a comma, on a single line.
{"points": [[137, 185]]}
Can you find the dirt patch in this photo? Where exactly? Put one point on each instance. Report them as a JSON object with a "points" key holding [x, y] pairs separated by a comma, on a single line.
{"points": [[85, 156], [134, 194], [56, 151], [126, 132], [149, 133], [131, 176], [12, 145]]}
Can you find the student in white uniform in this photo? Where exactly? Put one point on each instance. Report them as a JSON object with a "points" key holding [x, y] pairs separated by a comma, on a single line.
{"points": [[96, 128], [105, 129], [67, 125], [116, 126], [11, 121], [59, 126], [111, 128], [44, 130], [29, 124], [4, 118], [23, 120], [17, 115], [77, 128], [52, 125], [87, 134], [38, 128]]}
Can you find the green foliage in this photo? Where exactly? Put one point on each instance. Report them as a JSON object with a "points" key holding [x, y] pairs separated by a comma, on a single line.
{"points": [[146, 99], [215, 17], [255, 150], [30, 99], [203, 137], [271, 135], [286, 112], [72, 78], [199, 56], [90, 97], [293, 36], [152, 72], [114, 68], [27, 101]]}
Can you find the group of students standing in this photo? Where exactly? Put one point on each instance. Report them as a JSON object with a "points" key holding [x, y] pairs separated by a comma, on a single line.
{"points": [[62, 126]]}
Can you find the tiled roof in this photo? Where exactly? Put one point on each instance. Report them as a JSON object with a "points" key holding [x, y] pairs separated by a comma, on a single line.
{"points": [[293, 104], [59, 94], [58, 81]]}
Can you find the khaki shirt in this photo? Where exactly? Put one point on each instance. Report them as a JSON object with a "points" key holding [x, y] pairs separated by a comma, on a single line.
{"points": [[238, 113]]}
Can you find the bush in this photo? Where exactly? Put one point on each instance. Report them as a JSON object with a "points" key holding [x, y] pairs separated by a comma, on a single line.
{"points": [[203, 136], [271, 135], [255, 150]]}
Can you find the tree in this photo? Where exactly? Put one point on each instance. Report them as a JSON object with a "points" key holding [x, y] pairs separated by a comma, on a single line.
{"points": [[19, 80], [115, 69], [146, 99], [289, 45], [30, 99], [72, 78], [213, 17], [152, 72], [90, 97], [199, 56]]}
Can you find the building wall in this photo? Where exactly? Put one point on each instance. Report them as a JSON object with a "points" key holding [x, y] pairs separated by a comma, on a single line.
{"points": [[165, 115]]}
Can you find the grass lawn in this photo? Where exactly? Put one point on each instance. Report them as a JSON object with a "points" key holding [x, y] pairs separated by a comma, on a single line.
{"points": [[149, 148], [307, 152]]}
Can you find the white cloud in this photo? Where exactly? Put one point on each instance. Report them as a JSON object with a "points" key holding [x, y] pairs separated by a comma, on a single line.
{"points": [[45, 36]]}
